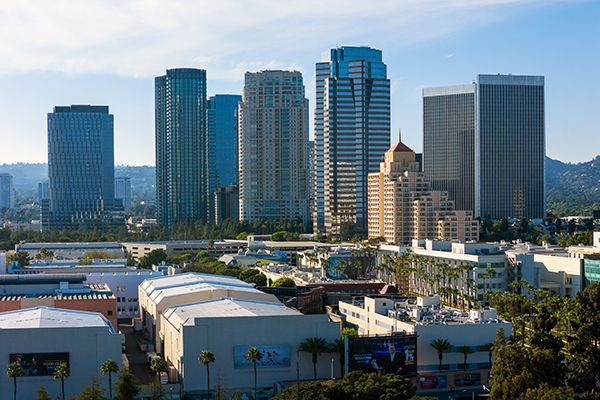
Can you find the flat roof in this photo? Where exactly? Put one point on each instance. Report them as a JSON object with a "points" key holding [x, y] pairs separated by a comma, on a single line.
{"points": [[47, 317], [225, 307]]}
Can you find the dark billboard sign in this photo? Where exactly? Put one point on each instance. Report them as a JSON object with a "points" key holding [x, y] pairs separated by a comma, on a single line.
{"points": [[384, 355], [467, 379], [433, 382], [273, 356], [39, 364]]}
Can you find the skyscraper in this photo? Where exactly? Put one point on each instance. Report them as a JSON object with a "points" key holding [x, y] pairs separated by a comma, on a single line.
{"points": [[180, 125], [222, 146], [352, 123], [485, 144], [81, 169], [123, 190], [273, 147], [7, 194]]}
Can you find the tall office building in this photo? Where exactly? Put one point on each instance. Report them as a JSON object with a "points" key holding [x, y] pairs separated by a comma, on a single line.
{"points": [[484, 143], [7, 193], [273, 147], [43, 190], [180, 125], [352, 124], [123, 190], [222, 146], [81, 170]]}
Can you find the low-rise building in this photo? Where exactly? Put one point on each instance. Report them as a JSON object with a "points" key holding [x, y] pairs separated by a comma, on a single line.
{"points": [[73, 251], [42, 338], [219, 247]]}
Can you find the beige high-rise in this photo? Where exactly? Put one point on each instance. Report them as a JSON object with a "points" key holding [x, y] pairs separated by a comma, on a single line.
{"points": [[402, 208]]}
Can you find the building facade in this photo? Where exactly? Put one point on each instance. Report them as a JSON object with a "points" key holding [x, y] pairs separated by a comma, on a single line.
{"points": [[43, 190], [81, 170], [123, 190], [180, 127], [352, 123], [485, 144], [227, 203], [7, 193], [402, 206], [273, 147], [222, 145]]}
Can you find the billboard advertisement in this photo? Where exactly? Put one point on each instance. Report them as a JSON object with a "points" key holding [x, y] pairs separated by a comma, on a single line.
{"points": [[273, 356], [384, 355], [433, 382], [39, 364], [467, 379]]}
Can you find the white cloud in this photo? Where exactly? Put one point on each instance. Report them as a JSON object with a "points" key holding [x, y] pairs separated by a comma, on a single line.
{"points": [[142, 38]]}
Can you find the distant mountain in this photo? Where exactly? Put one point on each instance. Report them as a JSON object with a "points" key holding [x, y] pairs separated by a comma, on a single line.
{"points": [[573, 189]]}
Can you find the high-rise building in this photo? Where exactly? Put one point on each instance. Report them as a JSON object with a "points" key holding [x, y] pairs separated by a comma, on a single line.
{"points": [[81, 170], [402, 206], [7, 193], [485, 144], [352, 123], [227, 203], [43, 190], [273, 147], [222, 146], [180, 127], [123, 190]]}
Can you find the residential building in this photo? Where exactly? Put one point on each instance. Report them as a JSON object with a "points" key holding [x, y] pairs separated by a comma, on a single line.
{"points": [[123, 190], [180, 127], [352, 123], [273, 147], [81, 170], [402, 206], [42, 338], [484, 144], [226, 203], [229, 327], [222, 146], [7, 193]]}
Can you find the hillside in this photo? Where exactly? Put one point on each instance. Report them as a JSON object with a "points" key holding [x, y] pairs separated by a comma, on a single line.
{"points": [[573, 189]]}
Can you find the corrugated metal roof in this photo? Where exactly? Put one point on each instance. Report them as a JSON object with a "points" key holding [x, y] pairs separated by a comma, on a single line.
{"points": [[223, 308], [46, 317]]}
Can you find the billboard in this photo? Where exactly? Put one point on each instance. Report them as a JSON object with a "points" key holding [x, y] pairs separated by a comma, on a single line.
{"points": [[273, 356], [433, 381], [384, 355], [39, 364], [467, 379]]}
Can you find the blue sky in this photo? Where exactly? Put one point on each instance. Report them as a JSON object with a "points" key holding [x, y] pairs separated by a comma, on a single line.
{"points": [[108, 52]]}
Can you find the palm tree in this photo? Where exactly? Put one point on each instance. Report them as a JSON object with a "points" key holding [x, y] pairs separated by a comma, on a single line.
{"points": [[465, 350], [441, 346], [61, 373], [489, 347], [109, 367], [207, 357], [315, 346], [14, 370], [253, 355], [159, 365]]}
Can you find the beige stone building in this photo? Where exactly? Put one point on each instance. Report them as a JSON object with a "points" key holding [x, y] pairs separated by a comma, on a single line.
{"points": [[402, 207]]}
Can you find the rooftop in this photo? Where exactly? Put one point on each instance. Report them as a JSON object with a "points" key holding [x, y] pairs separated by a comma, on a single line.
{"points": [[45, 317]]}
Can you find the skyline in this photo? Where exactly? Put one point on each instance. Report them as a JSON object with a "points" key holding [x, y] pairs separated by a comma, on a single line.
{"points": [[65, 53]]}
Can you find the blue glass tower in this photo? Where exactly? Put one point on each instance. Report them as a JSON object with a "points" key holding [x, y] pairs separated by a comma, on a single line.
{"points": [[81, 169], [180, 118], [222, 145]]}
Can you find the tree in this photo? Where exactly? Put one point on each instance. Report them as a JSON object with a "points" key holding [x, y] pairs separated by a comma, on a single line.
{"points": [[61, 373], [315, 346], [42, 394], [14, 371], [126, 387], [284, 282], [465, 350], [206, 358], [22, 257], [489, 347], [93, 391], [156, 256], [156, 391], [159, 365], [441, 346], [109, 367], [253, 355]]}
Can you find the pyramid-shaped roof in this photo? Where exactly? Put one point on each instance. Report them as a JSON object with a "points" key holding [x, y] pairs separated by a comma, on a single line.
{"points": [[400, 147]]}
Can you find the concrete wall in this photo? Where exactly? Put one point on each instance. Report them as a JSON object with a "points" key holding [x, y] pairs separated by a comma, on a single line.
{"points": [[88, 348], [220, 335]]}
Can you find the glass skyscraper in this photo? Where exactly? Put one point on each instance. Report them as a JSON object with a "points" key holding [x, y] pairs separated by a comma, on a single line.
{"points": [[7, 194], [352, 133], [81, 170], [485, 144], [180, 125], [222, 145], [273, 147]]}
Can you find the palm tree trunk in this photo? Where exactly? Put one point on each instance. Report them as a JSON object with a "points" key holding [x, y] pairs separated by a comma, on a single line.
{"points": [[110, 384], [255, 382], [15, 378], [440, 357], [314, 360], [62, 381], [208, 381]]}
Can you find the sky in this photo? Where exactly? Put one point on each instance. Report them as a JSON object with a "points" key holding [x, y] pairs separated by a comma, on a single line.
{"points": [[107, 52]]}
